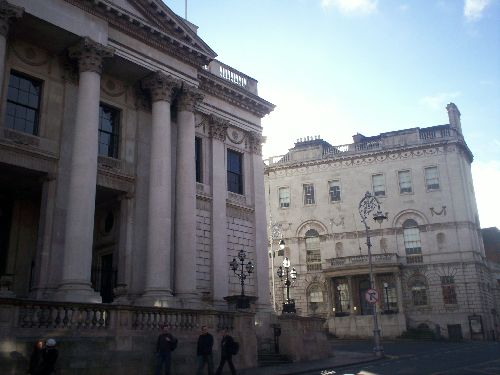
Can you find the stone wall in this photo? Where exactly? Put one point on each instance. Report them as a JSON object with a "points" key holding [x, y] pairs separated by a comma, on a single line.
{"points": [[109, 339]]}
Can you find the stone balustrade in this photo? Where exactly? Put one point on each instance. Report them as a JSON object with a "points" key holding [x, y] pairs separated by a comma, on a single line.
{"points": [[232, 75], [362, 260]]}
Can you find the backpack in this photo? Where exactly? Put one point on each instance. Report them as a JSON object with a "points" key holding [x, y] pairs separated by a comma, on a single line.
{"points": [[235, 348]]}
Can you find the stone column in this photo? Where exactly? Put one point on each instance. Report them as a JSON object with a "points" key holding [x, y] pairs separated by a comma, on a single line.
{"points": [[44, 241], [125, 241], [220, 261], [260, 223], [7, 13], [185, 199], [75, 281], [158, 288], [399, 291]]}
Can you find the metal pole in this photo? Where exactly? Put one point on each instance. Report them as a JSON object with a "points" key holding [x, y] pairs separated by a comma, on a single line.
{"points": [[272, 273], [287, 283]]}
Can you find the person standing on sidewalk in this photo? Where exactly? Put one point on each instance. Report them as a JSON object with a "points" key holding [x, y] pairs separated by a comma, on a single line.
{"points": [[165, 345], [226, 353], [204, 351]]}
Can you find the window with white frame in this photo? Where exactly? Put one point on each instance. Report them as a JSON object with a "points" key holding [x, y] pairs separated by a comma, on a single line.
{"points": [[308, 194], [284, 197], [334, 190], [378, 183], [431, 178], [313, 252], [404, 178], [411, 235]]}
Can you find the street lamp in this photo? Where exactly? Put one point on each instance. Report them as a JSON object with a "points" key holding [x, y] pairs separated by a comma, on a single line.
{"points": [[367, 205], [290, 277], [275, 233], [243, 302]]}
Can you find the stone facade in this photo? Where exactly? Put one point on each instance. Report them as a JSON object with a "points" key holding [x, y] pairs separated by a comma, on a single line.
{"points": [[428, 258], [116, 127]]}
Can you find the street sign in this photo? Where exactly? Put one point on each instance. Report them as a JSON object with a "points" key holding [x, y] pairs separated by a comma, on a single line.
{"points": [[371, 296]]}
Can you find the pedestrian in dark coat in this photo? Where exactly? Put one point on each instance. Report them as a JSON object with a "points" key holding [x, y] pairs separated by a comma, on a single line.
{"points": [[164, 346], [204, 351], [36, 358], [49, 358], [226, 353]]}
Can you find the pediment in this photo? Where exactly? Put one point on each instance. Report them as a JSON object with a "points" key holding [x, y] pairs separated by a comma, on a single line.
{"points": [[155, 22]]}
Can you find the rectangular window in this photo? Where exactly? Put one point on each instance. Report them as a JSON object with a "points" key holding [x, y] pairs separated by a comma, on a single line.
{"points": [[334, 190], [109, 125], [23, 103], [378, 183], [309, 194], [198, 158], [234, 172], [431, 178], [448, 289], [404, 182], [284, 197]]}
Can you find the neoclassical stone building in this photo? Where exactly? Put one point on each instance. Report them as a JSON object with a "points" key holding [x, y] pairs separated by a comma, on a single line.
{"points": [[428, 257], [130, 175]]}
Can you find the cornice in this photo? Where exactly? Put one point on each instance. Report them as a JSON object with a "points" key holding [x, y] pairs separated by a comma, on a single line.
{"points": [[374, 156], [159, 36], [233, 94]]}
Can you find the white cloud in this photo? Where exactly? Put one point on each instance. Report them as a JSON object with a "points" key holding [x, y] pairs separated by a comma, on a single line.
{"points": [[486, 177], [404, 7], [473, 9], [351, 6], [439, 100]]}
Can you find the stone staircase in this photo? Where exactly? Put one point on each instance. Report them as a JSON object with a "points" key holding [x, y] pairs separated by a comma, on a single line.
{"points": [[266, 358]]}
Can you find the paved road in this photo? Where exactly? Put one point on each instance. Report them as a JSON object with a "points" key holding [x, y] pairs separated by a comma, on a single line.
{"points": [[424, 358]]}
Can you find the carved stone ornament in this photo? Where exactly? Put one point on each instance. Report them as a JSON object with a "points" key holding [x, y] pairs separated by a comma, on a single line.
{"points": [[7, 13], [160, 86], [217, 128], [90, 55], [255, 142], [434, 211], [189, 97], [30, 54]]}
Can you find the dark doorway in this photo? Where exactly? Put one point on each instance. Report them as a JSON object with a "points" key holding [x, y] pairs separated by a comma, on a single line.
{"points": [[107, 278], [455, 332]]}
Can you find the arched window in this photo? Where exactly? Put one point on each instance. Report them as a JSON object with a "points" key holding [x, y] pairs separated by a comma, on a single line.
{"points": [[339, 250], [418, 289], [313, 253], [316, 300], [411, 235]]}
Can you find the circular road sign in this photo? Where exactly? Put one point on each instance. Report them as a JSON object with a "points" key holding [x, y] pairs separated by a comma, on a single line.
{"points": [[371, 296]]}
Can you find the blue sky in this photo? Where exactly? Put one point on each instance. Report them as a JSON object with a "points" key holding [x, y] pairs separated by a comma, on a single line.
{"points": [[338, 67]]}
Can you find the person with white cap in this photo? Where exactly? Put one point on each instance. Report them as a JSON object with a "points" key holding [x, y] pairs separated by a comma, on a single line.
{"points": [[49, 358]]}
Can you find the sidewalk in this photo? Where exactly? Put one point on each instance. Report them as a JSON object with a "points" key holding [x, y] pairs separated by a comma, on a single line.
{"points": [[341, 359]]}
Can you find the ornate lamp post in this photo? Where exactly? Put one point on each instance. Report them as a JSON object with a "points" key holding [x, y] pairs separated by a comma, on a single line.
{"points": [[243, 302], [367, 205], [290, 276], [275, 233]]}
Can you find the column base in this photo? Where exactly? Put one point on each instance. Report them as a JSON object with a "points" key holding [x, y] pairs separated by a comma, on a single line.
{"points": [[157, 298], [77, 292]]}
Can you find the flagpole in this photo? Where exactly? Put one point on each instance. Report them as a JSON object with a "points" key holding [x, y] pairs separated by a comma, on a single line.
{"points": [[186, 9]]}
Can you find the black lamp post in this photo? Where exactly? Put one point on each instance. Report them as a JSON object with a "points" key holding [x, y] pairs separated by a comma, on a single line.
{"points": [[290, 276], [243, 301], [386, 287], [366, 206]]}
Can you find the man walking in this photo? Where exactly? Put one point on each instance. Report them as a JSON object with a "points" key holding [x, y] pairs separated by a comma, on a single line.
{"points": [[164, 346], [204, 351], [226, 352]]}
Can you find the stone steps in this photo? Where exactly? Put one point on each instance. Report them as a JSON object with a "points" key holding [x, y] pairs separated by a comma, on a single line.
{"points": [[272, 359]]}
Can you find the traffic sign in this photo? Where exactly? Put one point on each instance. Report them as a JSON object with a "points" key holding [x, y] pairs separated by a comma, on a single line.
{"points": [[371, 296]]}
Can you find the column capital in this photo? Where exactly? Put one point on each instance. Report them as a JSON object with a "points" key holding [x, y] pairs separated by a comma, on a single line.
{"points": [[7, 13], [189, 97], [217, 127], [160, 86], [90, 55], [255, 140]]}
